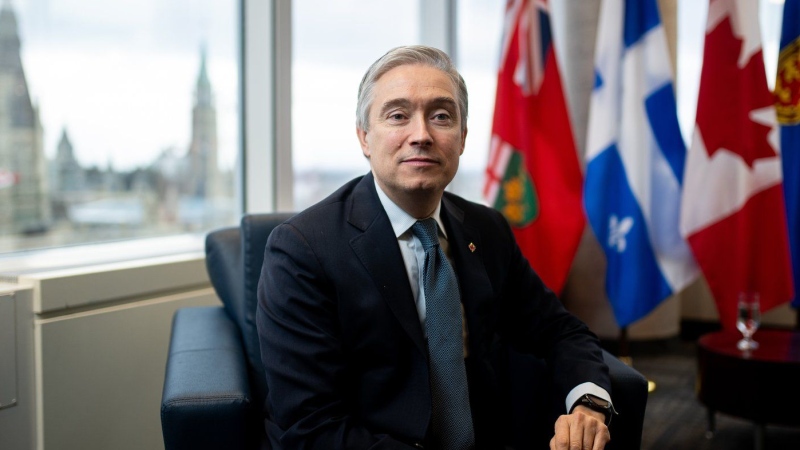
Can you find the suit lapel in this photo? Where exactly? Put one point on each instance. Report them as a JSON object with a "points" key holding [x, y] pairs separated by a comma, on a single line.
{"points": [[476, 288], [378, 251]]}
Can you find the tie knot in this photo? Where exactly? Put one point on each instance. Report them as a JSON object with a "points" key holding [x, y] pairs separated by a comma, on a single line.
{"points": [[427, 232]]}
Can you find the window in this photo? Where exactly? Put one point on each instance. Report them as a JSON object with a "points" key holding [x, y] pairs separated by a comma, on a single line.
{"points": [[117, 119], [480, 27], [333, 44]]}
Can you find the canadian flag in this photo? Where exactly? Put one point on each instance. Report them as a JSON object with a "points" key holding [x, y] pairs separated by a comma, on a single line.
{"points": [[533, 176], [732, 208]]}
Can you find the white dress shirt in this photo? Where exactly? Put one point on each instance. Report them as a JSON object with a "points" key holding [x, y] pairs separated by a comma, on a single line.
{"points": [[411, 247]]}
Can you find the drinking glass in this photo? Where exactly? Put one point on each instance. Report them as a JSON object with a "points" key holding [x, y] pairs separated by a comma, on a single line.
{"points": [[748, 320]]}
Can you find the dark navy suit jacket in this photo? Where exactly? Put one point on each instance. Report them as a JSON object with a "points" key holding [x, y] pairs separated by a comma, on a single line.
{"points": [[342, 344]]}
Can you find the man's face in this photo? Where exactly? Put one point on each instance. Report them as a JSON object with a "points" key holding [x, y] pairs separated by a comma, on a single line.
{"points": [[415, 137]]}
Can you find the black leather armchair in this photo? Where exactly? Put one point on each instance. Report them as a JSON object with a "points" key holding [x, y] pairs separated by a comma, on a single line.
{"points": [[215, 387]]}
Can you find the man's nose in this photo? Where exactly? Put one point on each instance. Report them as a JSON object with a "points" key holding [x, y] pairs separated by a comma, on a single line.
{"points": [[420, 134]]}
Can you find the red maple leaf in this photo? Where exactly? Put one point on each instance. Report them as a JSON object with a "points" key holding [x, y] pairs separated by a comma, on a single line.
{"points": [[729, 94]]}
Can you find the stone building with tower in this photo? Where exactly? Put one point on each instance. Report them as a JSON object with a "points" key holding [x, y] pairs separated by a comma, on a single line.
{"points": [[68, 176], [203, 175], [24, 201]]}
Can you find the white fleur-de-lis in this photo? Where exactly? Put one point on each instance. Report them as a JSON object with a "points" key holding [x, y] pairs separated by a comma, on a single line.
{"points": [[617, 230]]}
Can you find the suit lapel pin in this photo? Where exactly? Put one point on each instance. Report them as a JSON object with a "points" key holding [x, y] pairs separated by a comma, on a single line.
{"points": [[471, 247]]}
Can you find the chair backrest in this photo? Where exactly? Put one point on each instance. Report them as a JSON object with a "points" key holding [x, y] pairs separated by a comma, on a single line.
{"points": [[234, 257]]}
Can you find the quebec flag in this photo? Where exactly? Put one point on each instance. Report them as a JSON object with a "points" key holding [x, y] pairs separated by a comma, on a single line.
{"points": [[635, 157]]}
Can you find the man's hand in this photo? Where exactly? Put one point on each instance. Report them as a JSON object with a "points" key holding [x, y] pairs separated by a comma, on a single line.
{"points": [[584, 429]]}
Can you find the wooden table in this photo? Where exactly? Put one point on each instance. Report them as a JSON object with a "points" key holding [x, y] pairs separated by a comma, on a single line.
{"points": [[760, 385]]}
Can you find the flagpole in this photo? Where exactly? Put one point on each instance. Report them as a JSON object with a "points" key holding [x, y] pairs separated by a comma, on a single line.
{"points": [[624, 354]]}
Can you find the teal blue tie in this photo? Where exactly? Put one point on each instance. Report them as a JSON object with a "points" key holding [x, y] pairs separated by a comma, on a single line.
{"points": [[452, 419]]}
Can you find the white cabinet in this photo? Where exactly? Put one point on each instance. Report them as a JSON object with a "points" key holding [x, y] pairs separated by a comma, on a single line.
{"points": [[91, 347]]}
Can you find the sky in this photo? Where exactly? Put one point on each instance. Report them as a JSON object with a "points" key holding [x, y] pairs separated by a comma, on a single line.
{"points": [[119, 76]]}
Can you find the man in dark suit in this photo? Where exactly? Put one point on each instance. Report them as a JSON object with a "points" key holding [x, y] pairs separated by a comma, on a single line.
{"points": [[346, 293]]}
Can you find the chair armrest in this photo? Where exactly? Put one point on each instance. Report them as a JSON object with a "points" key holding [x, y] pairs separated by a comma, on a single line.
{"points": [[206, 399], [629, 393]]}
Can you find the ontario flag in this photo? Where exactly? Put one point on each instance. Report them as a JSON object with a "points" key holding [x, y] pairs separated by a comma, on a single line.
{"points": [[533, 176], [732, 210]]}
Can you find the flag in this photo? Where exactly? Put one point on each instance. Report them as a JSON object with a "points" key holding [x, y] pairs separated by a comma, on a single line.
{"points": [[533, 176], [733, 211], [635, 158], [787, 96]]}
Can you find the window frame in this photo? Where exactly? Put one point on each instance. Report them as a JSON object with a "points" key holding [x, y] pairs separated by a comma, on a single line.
{"points": [[264, 174]]}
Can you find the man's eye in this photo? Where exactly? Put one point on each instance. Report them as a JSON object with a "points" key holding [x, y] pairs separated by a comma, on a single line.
{"points": [[442, 116], [396, 116]]}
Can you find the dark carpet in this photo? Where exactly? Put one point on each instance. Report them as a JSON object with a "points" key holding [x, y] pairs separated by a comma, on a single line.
{"points": [[675, 419]]}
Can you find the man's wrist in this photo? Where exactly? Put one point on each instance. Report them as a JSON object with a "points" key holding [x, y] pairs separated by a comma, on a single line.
{"points": [[598, 405]]}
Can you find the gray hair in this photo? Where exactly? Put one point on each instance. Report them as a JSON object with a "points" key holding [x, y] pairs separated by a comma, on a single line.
{"points": [[408, 55]]}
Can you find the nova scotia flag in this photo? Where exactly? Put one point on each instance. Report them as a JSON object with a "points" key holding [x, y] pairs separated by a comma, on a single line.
{"points": [[787, 90], [635, 157]]}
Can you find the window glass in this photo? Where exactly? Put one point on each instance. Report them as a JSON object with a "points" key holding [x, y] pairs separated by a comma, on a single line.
{"points": [[118, 119], [333, 44], [480, 27]]}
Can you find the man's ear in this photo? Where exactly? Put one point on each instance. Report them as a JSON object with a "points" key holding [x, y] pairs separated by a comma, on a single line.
{"points": [[362, 140], [463, 140]]}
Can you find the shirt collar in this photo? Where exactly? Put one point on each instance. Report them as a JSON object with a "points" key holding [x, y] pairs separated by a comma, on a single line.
{"points": [[402, 221]]}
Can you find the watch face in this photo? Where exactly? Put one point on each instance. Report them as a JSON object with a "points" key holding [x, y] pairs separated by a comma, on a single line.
{"points": [[597, 401]]}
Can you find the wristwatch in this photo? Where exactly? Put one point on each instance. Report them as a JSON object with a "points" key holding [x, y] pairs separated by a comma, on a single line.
{"points": [[596, 403]]}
